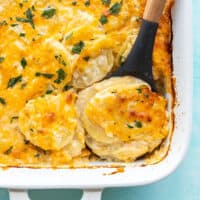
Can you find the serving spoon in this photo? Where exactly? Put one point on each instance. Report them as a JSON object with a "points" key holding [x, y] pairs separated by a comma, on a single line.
{"points": [[139, 60]]}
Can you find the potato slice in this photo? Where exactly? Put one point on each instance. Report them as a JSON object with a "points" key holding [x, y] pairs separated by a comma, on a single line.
{"points": [[50, 122], [123, 118]]}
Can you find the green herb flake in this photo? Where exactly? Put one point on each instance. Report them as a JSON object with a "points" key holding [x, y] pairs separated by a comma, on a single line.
{"points": [[139, 90], [106, 2], [33, 8], [26, 141], [45, 75], [13, 119], [74, 3], [13, 81], [2, 59], [28, 19], [61, 76], [2, 101], [78, 47], [67, 87], [87, 3], [138, 124], [37, 155], [48, 13], [60, 59], [3, 23], [115, 8], [22, 34], [49, 91], [21, 5], [138, 19], [86, 58], [13, 25], [113, 92], [23, 63], [9, 150], [23, 85], [103, 19], [121, 59], [129, 126]]}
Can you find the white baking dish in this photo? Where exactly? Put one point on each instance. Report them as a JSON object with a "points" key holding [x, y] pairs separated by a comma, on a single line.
{"points": [[93, 179]]}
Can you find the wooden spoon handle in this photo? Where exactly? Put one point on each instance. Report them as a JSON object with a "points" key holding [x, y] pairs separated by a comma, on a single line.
{"points": [[153, 10]]}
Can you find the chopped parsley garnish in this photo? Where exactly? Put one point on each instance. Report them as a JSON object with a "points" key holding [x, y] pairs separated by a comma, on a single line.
{"points": [[13, 25], [121, 59], [45, 75], [115, 8], [129, 126], [23, 63], [67, 87], [28, 19], [33, 8], [138, 124], [13, 81], [2, 59], [2, 101], [13, 118], [23, 85], [3, 23], [86, 58], [9, 150], [37, 155], [74, 3], [138, 19], [87, 2], [49, 91], [77, 48], [48, 13], [106, 2], [114, 92], [22, 34], [103, 19], [60, 59], [61, 76], [26, 141], [21, 5], [139, 90]]}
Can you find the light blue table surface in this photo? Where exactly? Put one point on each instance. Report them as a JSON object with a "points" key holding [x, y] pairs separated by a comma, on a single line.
{"points": [[183, 184]]}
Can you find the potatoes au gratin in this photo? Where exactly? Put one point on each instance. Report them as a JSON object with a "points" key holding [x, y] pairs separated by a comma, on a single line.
{"points": [[56, 108]]}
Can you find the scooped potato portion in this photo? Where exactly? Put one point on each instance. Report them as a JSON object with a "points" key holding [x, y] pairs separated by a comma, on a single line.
{"points": [[123, 118], [50, 122], [94, 69]]}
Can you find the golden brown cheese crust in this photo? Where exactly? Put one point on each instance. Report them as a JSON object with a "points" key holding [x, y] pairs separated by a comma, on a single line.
{"points": [[49, 122], [123, 118], [36, 58]]}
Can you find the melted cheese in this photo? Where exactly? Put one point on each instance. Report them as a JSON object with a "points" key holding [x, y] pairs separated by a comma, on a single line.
{"points": [[123, 118], [125, 113], [36, 57], [49, 122]]}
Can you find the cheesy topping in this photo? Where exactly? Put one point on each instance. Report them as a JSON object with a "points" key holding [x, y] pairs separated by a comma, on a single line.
{"points": [[48, 47], [123, 118], [127, 112], [49, 122]]}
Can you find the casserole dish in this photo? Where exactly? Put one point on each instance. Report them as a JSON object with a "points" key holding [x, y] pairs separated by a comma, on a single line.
{"points": [[94, 179]]}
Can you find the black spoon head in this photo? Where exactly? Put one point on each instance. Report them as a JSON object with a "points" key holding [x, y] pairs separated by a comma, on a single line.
{"points": [[139, 61]]}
